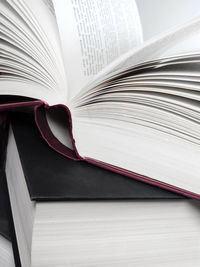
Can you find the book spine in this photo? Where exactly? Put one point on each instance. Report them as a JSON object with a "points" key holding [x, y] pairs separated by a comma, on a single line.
{"points": [[49, 137], [14, 106]]}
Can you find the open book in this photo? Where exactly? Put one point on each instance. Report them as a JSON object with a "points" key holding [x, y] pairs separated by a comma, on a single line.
{"points": [[124, 75]]}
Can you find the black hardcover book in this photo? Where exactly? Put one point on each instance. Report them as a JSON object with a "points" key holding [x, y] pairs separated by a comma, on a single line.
{"points": [[132, 221], [51, 176]]}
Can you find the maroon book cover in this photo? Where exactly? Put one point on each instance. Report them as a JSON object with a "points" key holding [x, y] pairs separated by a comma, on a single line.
{"points": [[40, 108]]}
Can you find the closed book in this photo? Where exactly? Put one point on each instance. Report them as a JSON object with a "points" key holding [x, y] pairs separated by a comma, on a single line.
{"points": [[87, 223]]}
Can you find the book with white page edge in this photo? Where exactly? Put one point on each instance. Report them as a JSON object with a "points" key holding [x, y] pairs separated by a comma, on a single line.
{"points": [[74, 215], [126, 81]]}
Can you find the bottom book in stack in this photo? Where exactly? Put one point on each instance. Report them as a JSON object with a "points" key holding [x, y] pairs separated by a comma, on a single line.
{"points": [[6, 248], [72, 214]]}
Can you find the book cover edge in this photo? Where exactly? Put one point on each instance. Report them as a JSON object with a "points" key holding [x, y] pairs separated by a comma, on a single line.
{"points": [[56, 145]]}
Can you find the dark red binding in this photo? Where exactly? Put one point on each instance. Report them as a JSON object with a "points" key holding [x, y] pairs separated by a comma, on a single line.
{"points": [[39, 108], [13, 106], [60, 148], [3, 117], [53, 142], [19, 105]]}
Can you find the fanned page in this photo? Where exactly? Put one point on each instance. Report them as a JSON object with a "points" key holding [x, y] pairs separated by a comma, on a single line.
{"points": [[31, 63], [94, 34]]}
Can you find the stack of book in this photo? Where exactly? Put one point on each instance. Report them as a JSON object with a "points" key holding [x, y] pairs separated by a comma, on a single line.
{"points": [[99, 133]]}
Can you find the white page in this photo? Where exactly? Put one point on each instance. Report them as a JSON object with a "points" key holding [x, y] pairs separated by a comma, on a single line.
{"points": [[30, 48], [187, 46], [158, 16], [160, 233], [93, 34], [42, 23], [6, 253], [156, 154]]}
